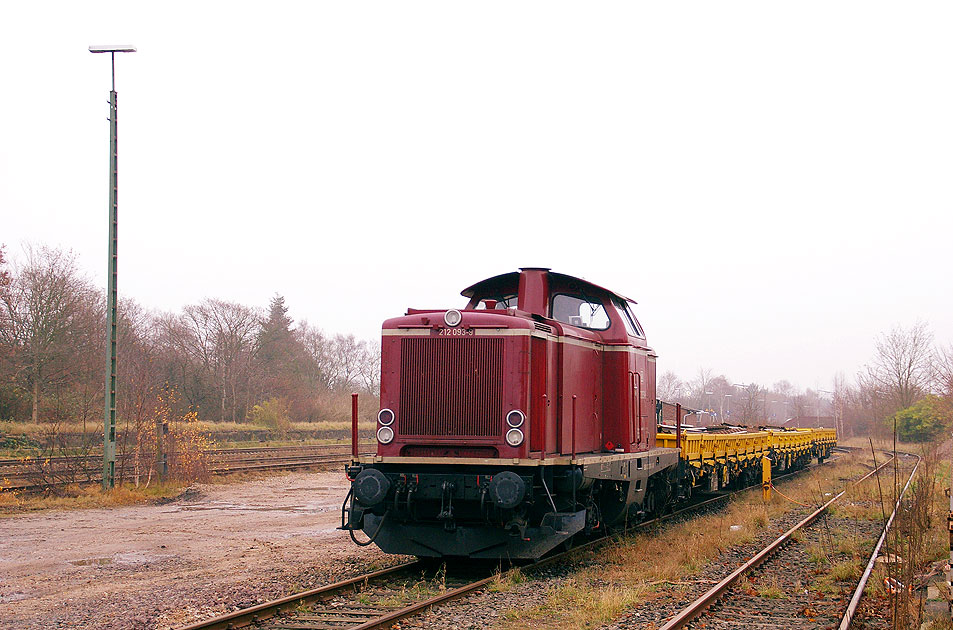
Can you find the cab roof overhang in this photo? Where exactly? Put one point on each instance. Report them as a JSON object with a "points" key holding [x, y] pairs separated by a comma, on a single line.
{"points": [[509, 282]]}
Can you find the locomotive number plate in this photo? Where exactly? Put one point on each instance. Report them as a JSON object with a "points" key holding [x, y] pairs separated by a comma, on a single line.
{"points": [[456, 332]]}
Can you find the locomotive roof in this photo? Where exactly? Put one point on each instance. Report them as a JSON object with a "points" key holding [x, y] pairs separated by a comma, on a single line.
{"points": [[510, 282]]}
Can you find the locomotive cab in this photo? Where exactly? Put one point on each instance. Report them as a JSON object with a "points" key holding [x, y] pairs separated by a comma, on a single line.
{"points": [[510, 425]]}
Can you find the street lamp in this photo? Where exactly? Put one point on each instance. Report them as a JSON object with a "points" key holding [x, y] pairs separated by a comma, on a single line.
{"points": [[728, 396], [833, 407], [109, 422]]}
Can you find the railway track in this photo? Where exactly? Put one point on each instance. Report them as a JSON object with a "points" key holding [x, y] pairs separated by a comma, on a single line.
{"points": [[736, 602], [35, 474], [377, 599]]}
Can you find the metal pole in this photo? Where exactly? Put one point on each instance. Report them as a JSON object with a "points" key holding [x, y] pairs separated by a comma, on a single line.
{"points": [[949, 526], [678, 425], [355, 451], [109, 425], [109, 420]]}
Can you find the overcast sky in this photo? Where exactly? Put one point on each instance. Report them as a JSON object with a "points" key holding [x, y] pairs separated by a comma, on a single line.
{"points": [[770, 181]]}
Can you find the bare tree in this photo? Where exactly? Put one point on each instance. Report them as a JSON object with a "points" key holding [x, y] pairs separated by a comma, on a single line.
{"points": [[752, 404], [44, 306], [669, 387], [903, 365], [320, 365], [943, 371], [222, 336], [699, 387]]}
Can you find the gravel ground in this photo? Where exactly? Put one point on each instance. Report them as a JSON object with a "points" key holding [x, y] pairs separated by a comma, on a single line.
{"points": [[669, 599], [789, 591], [214, 549], [483, 610]]}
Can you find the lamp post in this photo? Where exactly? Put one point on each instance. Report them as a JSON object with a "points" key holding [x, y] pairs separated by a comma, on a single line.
{"points": [[728, 396], [109, 421], [833, 408], [750, 406]]}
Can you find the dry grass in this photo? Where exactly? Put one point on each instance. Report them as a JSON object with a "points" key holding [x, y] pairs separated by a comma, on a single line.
{"points": [[771, 590], [621, 575], [505, 582], [87, 497], [578, 603], [10, 427]]}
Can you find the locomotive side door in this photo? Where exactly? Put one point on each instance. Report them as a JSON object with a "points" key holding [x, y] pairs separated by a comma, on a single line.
{"points": [[580, 371]]}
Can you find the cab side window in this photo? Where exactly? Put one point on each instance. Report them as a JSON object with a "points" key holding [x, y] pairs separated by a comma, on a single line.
{"points": [[579, 311]]}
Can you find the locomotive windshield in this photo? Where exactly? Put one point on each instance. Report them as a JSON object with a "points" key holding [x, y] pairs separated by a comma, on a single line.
{"points": [[503, 302], [579, 311]]}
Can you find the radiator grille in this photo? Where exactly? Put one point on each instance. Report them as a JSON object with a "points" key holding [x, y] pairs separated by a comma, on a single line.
{"points": [[451, 386]]}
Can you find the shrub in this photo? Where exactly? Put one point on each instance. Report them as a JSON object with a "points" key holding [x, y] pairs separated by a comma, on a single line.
{"points": [[922, 421], [273, 414]]}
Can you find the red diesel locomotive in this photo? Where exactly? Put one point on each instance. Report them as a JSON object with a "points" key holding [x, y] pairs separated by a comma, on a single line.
{"points": [[513, 424]]}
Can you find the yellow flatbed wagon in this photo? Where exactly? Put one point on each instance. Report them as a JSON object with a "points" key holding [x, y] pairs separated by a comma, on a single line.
{"points": [[715, 457]]}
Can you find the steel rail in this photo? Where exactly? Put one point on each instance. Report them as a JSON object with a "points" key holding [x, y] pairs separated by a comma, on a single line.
{"points": [[253, 466], [97, 457], [269, 609], [266, 610], [390, 618], [696, 608], [859, 591]]}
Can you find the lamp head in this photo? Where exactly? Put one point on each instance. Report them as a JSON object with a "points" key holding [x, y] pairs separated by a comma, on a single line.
{"points": [[112, 49]]}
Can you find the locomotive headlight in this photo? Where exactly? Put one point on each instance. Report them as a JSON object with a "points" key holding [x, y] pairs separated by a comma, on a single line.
{"points": [[385, 435], [385, 417], [514, 437], [452, 318], [515, 418]]}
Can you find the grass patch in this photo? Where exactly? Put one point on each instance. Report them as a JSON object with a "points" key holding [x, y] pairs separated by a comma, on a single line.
{"points": [[504, 582], [817, 555], [418, 591], [87, 497], [578, 603], [771, 590], [845, 570]]}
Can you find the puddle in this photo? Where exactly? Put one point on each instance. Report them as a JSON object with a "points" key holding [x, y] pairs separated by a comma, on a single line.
{"points": [[323, 531], [316, 507], [140, 557], [91, 561], [316, 489], [131, 557], [238, 507]]}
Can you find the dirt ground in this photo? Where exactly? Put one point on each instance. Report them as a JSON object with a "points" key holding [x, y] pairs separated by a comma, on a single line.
{"points": [[215, 548]]}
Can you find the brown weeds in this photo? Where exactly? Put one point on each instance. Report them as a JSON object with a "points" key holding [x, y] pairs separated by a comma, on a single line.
{"points": [[621, 575]]}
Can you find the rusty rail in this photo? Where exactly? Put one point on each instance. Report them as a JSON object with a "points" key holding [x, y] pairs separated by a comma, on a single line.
{"points": [[266, 610], [859, 591], [696, 608], [257, 613]]}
